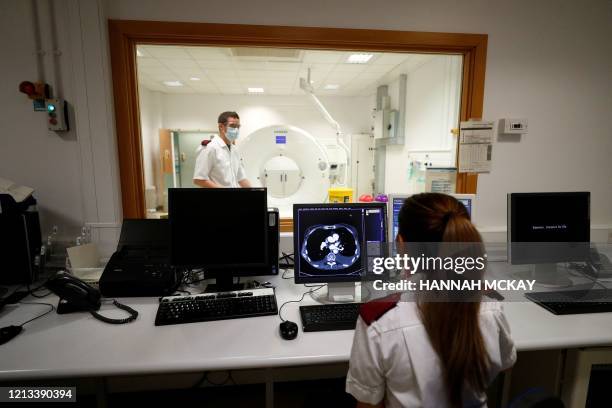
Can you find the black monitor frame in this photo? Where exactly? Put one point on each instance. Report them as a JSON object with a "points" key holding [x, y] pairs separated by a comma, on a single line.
{"points": [[296, 241], [223, 273], [534, 252]]}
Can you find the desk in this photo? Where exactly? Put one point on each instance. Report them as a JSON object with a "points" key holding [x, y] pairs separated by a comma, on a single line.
{"points": [[77, 345]]}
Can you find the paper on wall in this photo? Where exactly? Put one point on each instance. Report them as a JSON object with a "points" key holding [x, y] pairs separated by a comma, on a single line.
{"points": [[440, 180], [475, 146]]}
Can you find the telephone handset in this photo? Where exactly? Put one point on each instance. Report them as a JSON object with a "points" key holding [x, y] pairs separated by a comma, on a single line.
{"points": [[76, 295]]}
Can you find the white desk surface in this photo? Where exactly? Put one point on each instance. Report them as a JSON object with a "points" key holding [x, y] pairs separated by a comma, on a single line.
{"points": [[77, 345]]}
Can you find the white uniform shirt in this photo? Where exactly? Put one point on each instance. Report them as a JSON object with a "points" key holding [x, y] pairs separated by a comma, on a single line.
{"points": [[392, 359], [220, 164]]}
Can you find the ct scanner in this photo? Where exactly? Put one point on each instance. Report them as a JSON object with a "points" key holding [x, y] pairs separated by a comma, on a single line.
{"points": [[290, 162]]}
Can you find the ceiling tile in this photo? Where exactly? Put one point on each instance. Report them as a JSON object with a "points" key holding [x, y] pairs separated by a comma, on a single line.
{"points": [[179, 63], [340, 78], [326, 57], [208, 53], [283, 66], [189, 72], [392, 59], [379, 69], [148, 62], [350, 68], [210, 64], [154, 70], [250, 65], [166, 51]]}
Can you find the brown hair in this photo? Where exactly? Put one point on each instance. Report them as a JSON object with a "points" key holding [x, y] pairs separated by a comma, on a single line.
{"points": [[226, 115], [453, 327]]}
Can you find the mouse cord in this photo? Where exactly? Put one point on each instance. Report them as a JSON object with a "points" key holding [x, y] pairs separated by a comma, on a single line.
{"points": [[313, 289], [52, 308]]}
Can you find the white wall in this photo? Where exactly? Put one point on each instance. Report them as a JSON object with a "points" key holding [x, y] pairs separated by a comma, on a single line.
{"points": [[74, 174], [30, 154], [549, 61], [432, 110]]}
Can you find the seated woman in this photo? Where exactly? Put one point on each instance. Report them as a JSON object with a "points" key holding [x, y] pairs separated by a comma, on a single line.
{"points": [[429, 353]]}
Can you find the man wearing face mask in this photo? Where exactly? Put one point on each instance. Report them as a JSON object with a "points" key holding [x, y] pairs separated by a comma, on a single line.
{"points": [[218, 165]]}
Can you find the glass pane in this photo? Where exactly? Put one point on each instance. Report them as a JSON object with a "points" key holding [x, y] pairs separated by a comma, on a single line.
{"points": [[315, 126]]}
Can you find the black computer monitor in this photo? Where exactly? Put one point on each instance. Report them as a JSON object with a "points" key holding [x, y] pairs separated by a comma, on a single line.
{"points": [[547, 228], [330, 243], [223, 230]]}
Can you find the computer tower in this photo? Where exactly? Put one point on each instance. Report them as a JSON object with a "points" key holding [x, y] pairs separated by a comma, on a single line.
{"points": [[273, 240], [20, 241]]}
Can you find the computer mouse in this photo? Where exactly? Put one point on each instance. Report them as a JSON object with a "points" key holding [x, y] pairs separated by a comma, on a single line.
{"points": [[8, 332], [288, 330]]}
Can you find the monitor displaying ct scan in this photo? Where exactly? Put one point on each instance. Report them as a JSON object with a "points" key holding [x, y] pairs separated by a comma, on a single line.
{"points": [[330, 240]]}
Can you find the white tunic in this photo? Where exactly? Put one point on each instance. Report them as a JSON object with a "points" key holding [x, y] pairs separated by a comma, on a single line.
{"points": [[392, 359], [220, 164]]}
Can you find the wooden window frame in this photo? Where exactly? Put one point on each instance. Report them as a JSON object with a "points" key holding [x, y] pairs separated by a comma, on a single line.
{"points": [[124, 35]]}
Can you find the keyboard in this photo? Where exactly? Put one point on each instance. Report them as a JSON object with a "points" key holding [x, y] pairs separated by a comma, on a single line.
{"points": [[216, 306], [574, 301], [337, 316]]}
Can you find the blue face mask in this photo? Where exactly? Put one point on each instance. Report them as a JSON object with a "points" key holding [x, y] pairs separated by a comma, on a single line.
{"points": [[232, 134]]}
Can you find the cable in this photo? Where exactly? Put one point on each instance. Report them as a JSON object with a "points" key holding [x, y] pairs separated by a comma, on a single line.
{"points": [[206, 379], [31, 291], [312, 290], [133, 314], [286, 266], [286, 258], [52, 308]]}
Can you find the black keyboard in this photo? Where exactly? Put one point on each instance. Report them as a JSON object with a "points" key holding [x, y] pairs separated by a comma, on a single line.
{"points": [[337, 316], [574, 301], [216, 306]]}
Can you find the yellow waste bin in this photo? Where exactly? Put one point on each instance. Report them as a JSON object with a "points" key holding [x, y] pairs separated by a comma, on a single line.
{"points": [[340, 195]]}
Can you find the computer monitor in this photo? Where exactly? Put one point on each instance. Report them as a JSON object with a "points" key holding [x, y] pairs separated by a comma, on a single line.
{"points": [[547, 228], [397, 200], [331, 243], [468, 200], [223, 230]]}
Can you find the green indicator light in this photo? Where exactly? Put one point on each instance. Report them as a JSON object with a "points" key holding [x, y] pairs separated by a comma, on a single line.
{"points": [[50, 107]]}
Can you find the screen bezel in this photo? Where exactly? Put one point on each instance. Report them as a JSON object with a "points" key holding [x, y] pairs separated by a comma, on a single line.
{"points": [[535, 259], [214, 270], [296, 244]]}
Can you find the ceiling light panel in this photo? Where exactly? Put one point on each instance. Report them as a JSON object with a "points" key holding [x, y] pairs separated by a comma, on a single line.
{"points": [[359, 58], [173, 83]]}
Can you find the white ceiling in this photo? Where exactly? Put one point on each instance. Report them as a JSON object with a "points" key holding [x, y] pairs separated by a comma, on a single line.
{"points": [[231, 71]]}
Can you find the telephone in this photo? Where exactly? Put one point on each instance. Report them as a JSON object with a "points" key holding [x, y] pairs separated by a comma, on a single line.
{"points": [[77, 296], [75, 292]]}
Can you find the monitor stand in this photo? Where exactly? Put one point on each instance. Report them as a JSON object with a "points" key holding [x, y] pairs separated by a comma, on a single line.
{"points": [[337, 292], [224, 284], [548, 275]]}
